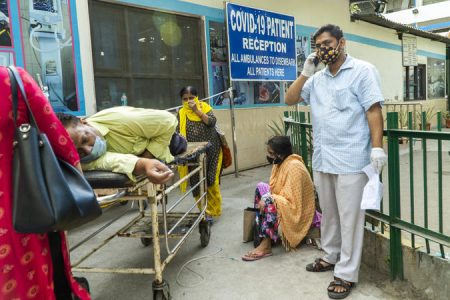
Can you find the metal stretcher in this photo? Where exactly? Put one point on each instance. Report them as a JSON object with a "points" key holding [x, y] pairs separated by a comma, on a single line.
{"points": [[151, 225]]}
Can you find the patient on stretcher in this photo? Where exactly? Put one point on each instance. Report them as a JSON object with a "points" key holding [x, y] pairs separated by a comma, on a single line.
{"points": [[127, 140]]}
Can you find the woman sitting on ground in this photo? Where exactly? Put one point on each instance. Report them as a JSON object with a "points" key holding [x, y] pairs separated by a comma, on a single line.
{"points": [[287, 201]]}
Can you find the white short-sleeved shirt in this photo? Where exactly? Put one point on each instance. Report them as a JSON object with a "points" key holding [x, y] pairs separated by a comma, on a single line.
{"points": [[341, 132]]}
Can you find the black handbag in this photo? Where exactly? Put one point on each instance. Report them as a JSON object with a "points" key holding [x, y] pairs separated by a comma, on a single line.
{"points": [[49, 193]]}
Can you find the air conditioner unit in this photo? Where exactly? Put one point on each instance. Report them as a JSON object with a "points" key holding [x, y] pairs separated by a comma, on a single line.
{"points": [[367, 7]]}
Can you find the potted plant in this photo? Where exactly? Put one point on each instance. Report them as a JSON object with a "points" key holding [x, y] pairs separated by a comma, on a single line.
{"points": [[429, 114], [403, 123], [446, 116], [276, 127]]}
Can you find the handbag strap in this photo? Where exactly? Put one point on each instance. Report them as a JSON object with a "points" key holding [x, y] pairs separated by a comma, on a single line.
{"points": [[12, 79], [16, 81]]}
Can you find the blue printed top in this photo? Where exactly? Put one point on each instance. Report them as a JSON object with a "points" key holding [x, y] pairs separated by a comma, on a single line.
{"points": [[341, 135]]}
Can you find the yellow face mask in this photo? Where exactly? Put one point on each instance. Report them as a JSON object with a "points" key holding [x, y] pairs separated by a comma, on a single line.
{"points": [[186, 104]]}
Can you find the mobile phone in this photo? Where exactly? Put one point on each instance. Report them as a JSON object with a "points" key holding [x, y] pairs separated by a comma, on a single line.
{"points": [[316, 60]]}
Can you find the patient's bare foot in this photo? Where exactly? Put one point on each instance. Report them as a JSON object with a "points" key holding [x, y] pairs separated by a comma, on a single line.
{"points": [[263, 250], [264, 247]]}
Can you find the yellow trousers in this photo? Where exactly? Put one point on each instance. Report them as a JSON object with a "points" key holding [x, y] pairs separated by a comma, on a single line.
{"points": [[213, 195]]}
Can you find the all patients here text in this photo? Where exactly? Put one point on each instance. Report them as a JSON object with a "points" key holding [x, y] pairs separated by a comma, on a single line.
{"points": [[246, 22], [263, 60]]}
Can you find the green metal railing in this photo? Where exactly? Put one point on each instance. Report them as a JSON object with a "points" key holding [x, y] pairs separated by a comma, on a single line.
{"points": [[298, 127], [406, 227]]}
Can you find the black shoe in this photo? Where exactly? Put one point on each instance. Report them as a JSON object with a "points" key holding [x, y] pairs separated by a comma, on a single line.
{"points": [[82, 281]]}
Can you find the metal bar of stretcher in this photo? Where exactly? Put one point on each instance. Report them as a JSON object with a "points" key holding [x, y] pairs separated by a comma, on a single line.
{"points": [[181, 241], [184, 196], [176, 184], [184, 216], [98, 230], [146, 271], [101, 245], [111, 198]]}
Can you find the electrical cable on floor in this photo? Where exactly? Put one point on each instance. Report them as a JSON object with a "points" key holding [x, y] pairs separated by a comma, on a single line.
{"points": [[202, 278]]}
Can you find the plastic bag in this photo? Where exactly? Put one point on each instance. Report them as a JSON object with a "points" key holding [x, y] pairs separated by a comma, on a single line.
{"points": [[373, 191]]}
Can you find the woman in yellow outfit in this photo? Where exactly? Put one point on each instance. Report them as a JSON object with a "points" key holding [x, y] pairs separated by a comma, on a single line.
{"points": [[197, 123]]}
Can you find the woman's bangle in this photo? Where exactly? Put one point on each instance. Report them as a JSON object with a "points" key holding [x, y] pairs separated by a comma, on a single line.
{"points": [[207, 119]]}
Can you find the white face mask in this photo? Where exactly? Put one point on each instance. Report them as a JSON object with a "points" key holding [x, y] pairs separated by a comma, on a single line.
{"points": [[98, 150]]}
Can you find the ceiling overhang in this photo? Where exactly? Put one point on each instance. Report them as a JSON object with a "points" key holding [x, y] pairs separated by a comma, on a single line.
{"points": [[378, 19]]}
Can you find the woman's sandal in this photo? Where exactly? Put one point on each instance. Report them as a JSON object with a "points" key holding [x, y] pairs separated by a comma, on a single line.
{"points": [[251, 256], [338, 282], [318, 266]]}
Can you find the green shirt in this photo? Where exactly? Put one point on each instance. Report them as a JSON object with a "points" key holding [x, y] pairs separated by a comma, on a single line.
{"points": [[128, 132]]}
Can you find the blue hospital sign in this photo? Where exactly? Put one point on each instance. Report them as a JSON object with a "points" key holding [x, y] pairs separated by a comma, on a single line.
{"points": [[261, 44]]}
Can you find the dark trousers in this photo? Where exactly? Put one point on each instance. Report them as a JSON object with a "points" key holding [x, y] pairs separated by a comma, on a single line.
{"points": [[61, 283]]}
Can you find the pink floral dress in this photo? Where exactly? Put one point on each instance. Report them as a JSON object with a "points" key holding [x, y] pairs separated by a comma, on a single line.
{"points": [[26, 268]]}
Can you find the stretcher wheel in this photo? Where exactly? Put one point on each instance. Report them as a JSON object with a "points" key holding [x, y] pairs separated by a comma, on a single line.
{"points": [[146, 241], [205, 232], [161, 291]]}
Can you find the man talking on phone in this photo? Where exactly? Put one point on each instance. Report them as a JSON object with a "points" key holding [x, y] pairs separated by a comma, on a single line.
{"points": [[345, 99]]}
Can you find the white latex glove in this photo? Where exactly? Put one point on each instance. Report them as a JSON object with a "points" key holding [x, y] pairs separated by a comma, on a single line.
{"points": [[309, 68], [378, 159]]}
